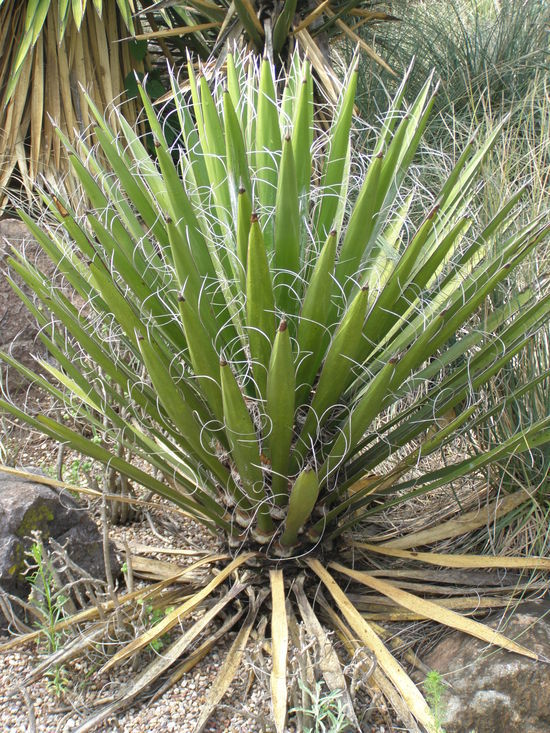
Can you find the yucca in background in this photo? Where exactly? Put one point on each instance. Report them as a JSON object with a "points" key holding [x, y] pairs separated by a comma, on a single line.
{"points": [[282, 346], [54, 52], [271, 29]]}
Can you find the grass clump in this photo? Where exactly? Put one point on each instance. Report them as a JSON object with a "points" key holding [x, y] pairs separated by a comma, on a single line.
{"points": [[478, 48]]}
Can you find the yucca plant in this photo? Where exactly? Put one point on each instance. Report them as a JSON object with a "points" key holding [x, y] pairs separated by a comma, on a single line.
{"points": [[281, 347]]}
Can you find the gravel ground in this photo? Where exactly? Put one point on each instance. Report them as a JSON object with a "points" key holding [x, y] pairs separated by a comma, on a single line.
{"points": [[177, 710], [36, 708]]}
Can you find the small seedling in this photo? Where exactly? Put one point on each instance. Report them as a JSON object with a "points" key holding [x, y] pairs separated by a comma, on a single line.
{"points": [[77, 468], [433, 685], [48, 470], [50, 602], [326, 710], [152, 616]]}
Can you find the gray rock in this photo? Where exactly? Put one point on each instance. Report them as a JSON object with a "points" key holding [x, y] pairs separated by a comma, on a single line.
{"points": [[27, 506], [492, 690]]}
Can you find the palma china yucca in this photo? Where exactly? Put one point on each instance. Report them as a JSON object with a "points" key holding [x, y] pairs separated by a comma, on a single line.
{"points": [[277, 330]]}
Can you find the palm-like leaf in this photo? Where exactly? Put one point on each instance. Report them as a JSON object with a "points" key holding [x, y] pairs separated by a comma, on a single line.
{"points": [[53, 51], [35, 17], [282, 357]]}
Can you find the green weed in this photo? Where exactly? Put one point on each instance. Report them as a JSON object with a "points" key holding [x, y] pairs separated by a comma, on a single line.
{"points": [[433, 686], [153, 616], [50, 602]]}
